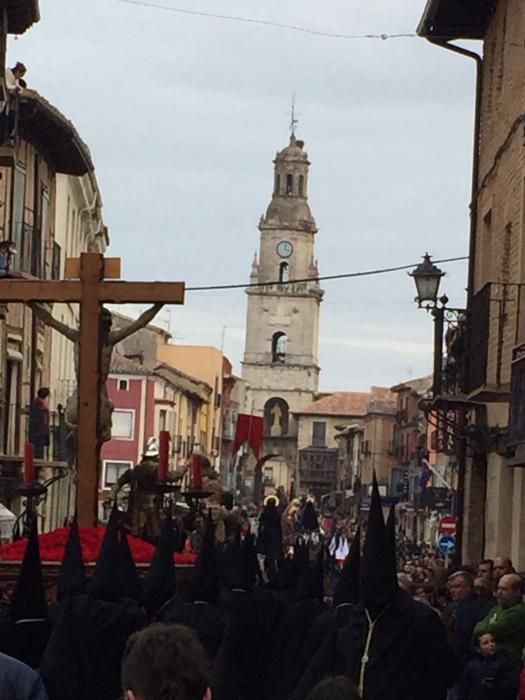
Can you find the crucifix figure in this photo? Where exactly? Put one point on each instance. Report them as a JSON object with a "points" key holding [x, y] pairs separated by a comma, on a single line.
{"points": [[109, 339], [93, 281]]}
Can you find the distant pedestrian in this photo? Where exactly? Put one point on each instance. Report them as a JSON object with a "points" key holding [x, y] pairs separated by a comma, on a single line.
{"points": [[19, 682], [490, 675], [39, 422]]}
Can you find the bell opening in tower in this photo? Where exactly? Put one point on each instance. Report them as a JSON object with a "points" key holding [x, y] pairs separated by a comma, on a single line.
{"points": [[283, 272], [289, 184], [279, 341]]}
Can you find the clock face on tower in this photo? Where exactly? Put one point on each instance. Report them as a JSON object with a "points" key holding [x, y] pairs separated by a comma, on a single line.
{"points": [[284, 249]]}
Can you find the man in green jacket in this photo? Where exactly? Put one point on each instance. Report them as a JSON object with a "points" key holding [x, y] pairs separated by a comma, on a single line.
{"points": [[507, 620]]}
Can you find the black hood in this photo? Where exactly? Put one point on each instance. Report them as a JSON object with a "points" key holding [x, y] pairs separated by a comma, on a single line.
{"points": [[378, 572], [29, 599], [310, 520], [130, 585], [105, 581], [204, 584], [391, 535], [72, 575], [159, 585]]}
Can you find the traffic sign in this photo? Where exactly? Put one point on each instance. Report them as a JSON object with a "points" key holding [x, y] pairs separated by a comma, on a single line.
{"points": [[448, 525], [447, 544]]}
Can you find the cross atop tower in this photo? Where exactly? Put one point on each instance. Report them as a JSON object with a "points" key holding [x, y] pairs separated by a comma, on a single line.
{"points": [[293, 121]]}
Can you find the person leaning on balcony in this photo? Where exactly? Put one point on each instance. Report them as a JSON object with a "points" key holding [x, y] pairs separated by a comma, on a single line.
{"points": [[14, 84], [14, 78], [506, 622], [39, 422]]}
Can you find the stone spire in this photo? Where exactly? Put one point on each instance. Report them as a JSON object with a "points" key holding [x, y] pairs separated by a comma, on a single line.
{"points": [[289, 203]]}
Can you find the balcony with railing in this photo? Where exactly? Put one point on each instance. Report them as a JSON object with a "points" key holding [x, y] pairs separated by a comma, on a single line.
{"points": [[516, 431], [15, 426]]}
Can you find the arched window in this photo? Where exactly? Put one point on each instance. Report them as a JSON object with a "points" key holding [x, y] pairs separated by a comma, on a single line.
{"points": [[279, 341], [289, 184], [301, 185], [283, 272], [277, 184], [276, 417]]}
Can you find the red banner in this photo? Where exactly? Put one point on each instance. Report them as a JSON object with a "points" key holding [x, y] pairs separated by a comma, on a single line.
{"points": [[249, 429]]}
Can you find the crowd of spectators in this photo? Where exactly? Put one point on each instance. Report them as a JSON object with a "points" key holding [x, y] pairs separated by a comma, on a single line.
{"points": [[483, 611]]}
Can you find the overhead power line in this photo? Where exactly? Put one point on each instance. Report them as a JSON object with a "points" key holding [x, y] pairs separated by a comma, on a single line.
{"points": [[344, 275], [264, 22]]}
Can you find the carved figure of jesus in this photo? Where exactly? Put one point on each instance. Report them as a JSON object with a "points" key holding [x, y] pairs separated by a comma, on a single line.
{"points": [[109, 339], [276, 427]]}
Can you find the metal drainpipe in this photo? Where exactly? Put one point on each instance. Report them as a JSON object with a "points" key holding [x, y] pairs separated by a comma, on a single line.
{"points": [[475, 159], [462, 453]]}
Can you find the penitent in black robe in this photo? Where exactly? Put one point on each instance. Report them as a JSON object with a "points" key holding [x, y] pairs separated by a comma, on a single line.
{"points": [[409, 657]]}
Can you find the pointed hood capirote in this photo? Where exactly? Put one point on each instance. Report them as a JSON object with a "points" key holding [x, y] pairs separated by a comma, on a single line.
{"points": [[236, 565], [159, 585], [29, 599], [72, 574], [205, 584], [105, 581], [391, 534], [378, 571], [347, 588], [310, 520], [130, 585]]}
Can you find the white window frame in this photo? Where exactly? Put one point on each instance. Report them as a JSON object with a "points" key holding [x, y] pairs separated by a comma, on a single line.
{"points": [[126, 383], [132, 412], [119, 462]]}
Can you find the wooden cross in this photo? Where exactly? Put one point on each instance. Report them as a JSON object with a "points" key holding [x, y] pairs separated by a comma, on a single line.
{"points": [[91, 289]]}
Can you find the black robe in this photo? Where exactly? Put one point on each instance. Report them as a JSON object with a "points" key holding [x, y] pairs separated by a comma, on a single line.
{"points": [[205, 619], [409, 657]]}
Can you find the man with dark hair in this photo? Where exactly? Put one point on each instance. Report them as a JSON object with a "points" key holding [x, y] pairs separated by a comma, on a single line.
{"points": [[502, 567], [506, 622], [486, 569], [462, 614], [165, 661]]}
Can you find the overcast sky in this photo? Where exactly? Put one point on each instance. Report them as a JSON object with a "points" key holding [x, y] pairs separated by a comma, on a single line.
{"points": [[183, 116]]}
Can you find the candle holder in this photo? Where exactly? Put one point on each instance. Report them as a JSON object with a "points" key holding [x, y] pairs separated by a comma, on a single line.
{"points": [[194, 496], [33, 494], [162, 489]]}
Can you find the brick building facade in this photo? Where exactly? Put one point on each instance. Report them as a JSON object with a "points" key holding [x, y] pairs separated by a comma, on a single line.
{"points": [[494, 506]]}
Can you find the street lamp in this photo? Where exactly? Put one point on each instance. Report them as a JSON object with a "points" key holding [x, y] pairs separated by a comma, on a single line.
{"points": [[427, 278]]}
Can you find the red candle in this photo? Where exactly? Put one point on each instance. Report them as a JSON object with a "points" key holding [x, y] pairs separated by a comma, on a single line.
{"points": [[197, 472], [164, 454], [29, 463]]}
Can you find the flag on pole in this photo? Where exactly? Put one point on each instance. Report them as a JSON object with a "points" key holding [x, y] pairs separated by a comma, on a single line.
{"points": [[426, 474], [249, 429]]}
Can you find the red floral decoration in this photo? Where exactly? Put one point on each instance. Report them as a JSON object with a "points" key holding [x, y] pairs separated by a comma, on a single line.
{"points": [[52, 546]]}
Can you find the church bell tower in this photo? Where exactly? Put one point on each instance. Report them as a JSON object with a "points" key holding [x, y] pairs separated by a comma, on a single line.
{"points": [[282, 331]]}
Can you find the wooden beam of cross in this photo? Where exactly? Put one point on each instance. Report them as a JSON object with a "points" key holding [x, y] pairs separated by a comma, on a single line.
{"points": [[91, 290]]}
